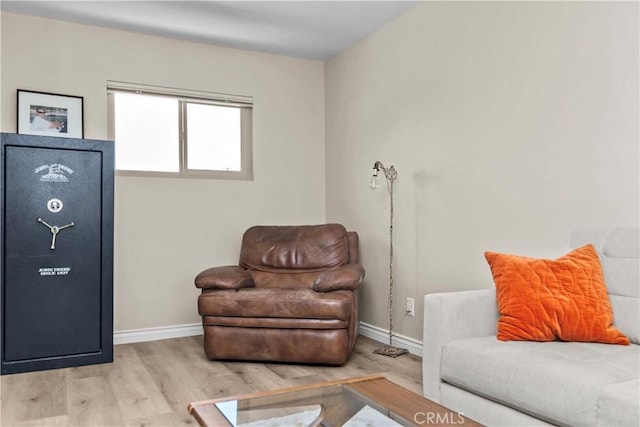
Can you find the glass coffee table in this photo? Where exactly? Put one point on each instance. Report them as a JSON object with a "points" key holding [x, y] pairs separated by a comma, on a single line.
{"points": [[365, 401]]}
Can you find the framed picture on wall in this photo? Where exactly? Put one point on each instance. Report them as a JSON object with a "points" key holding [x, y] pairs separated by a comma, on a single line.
{"points": [[50, 114]]}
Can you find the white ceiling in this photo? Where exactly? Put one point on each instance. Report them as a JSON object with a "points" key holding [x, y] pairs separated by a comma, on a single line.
{"points": [[306, 29]]}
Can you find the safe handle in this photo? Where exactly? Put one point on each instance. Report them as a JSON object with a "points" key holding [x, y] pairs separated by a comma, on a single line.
{"points": [[54, 230]]}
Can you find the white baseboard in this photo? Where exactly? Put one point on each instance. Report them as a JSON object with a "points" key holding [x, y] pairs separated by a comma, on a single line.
{"points": [[154, 334], [165, 332], [382, 335]]}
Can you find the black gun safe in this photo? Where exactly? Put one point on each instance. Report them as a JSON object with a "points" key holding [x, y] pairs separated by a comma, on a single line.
{"points": [[57, 252]]}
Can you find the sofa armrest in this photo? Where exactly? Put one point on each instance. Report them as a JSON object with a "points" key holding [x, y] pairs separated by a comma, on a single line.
{"points": [[448, 316], [346, 277], [227, 277]]}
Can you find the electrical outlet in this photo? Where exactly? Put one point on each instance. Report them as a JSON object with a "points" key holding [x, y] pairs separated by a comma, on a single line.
{"points": [[411, 307]]}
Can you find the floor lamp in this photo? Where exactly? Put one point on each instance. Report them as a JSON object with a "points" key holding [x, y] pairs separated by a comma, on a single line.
{"points": [[390, 175]]}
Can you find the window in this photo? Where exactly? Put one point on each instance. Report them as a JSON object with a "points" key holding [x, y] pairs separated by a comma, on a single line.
{"points": [[171, 132]]}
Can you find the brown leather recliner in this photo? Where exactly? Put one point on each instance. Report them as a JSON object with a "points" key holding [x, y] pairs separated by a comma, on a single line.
{"points": [[293, 298]]}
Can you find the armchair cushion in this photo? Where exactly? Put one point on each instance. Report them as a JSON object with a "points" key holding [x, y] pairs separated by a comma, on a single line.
{"points": [[281, 249], [227, 277], [276, 303], [346, 277], [295, 280]]}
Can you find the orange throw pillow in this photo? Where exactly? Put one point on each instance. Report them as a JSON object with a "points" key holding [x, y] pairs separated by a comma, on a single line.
{"points": [[545, 300]]}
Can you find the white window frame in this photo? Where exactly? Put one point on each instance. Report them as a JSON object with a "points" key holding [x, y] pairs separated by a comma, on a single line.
{"points": [[245, 104]]}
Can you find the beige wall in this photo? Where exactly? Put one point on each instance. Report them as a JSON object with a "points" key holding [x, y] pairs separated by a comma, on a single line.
{"points": [[509, 123], [167, 230]]}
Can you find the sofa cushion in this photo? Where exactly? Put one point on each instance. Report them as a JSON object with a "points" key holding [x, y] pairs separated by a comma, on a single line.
{"points": [[560, 382], [626, 316], [618, 404], [281, 303], [620, 257], [545, 300]]}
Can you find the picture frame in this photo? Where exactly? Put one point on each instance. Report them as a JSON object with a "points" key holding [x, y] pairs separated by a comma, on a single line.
{"points": [[50, 114]]}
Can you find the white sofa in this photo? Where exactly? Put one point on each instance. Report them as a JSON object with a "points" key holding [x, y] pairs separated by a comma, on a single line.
{"points": [[466, 368]]}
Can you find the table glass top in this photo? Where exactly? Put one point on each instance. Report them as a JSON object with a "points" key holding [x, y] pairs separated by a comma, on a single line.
{"points": [[335, 405]]}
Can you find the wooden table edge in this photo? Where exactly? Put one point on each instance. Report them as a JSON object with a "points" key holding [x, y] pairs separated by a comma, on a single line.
{"points": [[356, 384]]}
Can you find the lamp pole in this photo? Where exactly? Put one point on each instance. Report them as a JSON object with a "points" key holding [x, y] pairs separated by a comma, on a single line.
{"points": [[390, 175]]}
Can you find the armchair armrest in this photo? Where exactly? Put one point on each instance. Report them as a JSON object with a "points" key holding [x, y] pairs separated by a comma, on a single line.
{"points": [[448, 316], [346, 277], [227, 277]]}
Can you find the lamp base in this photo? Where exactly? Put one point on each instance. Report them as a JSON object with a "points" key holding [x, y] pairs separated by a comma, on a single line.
{"points": [[391, 351]]}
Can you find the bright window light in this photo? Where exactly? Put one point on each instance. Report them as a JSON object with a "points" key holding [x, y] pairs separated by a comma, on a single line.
{"points": [[172, 134], [146, 131], [213, 137]]}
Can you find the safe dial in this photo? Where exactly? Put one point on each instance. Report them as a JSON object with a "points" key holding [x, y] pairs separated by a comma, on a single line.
{"points": [[55, 205]]}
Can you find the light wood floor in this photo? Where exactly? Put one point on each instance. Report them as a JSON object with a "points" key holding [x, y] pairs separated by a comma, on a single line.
{"points": [[150, 384]]}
